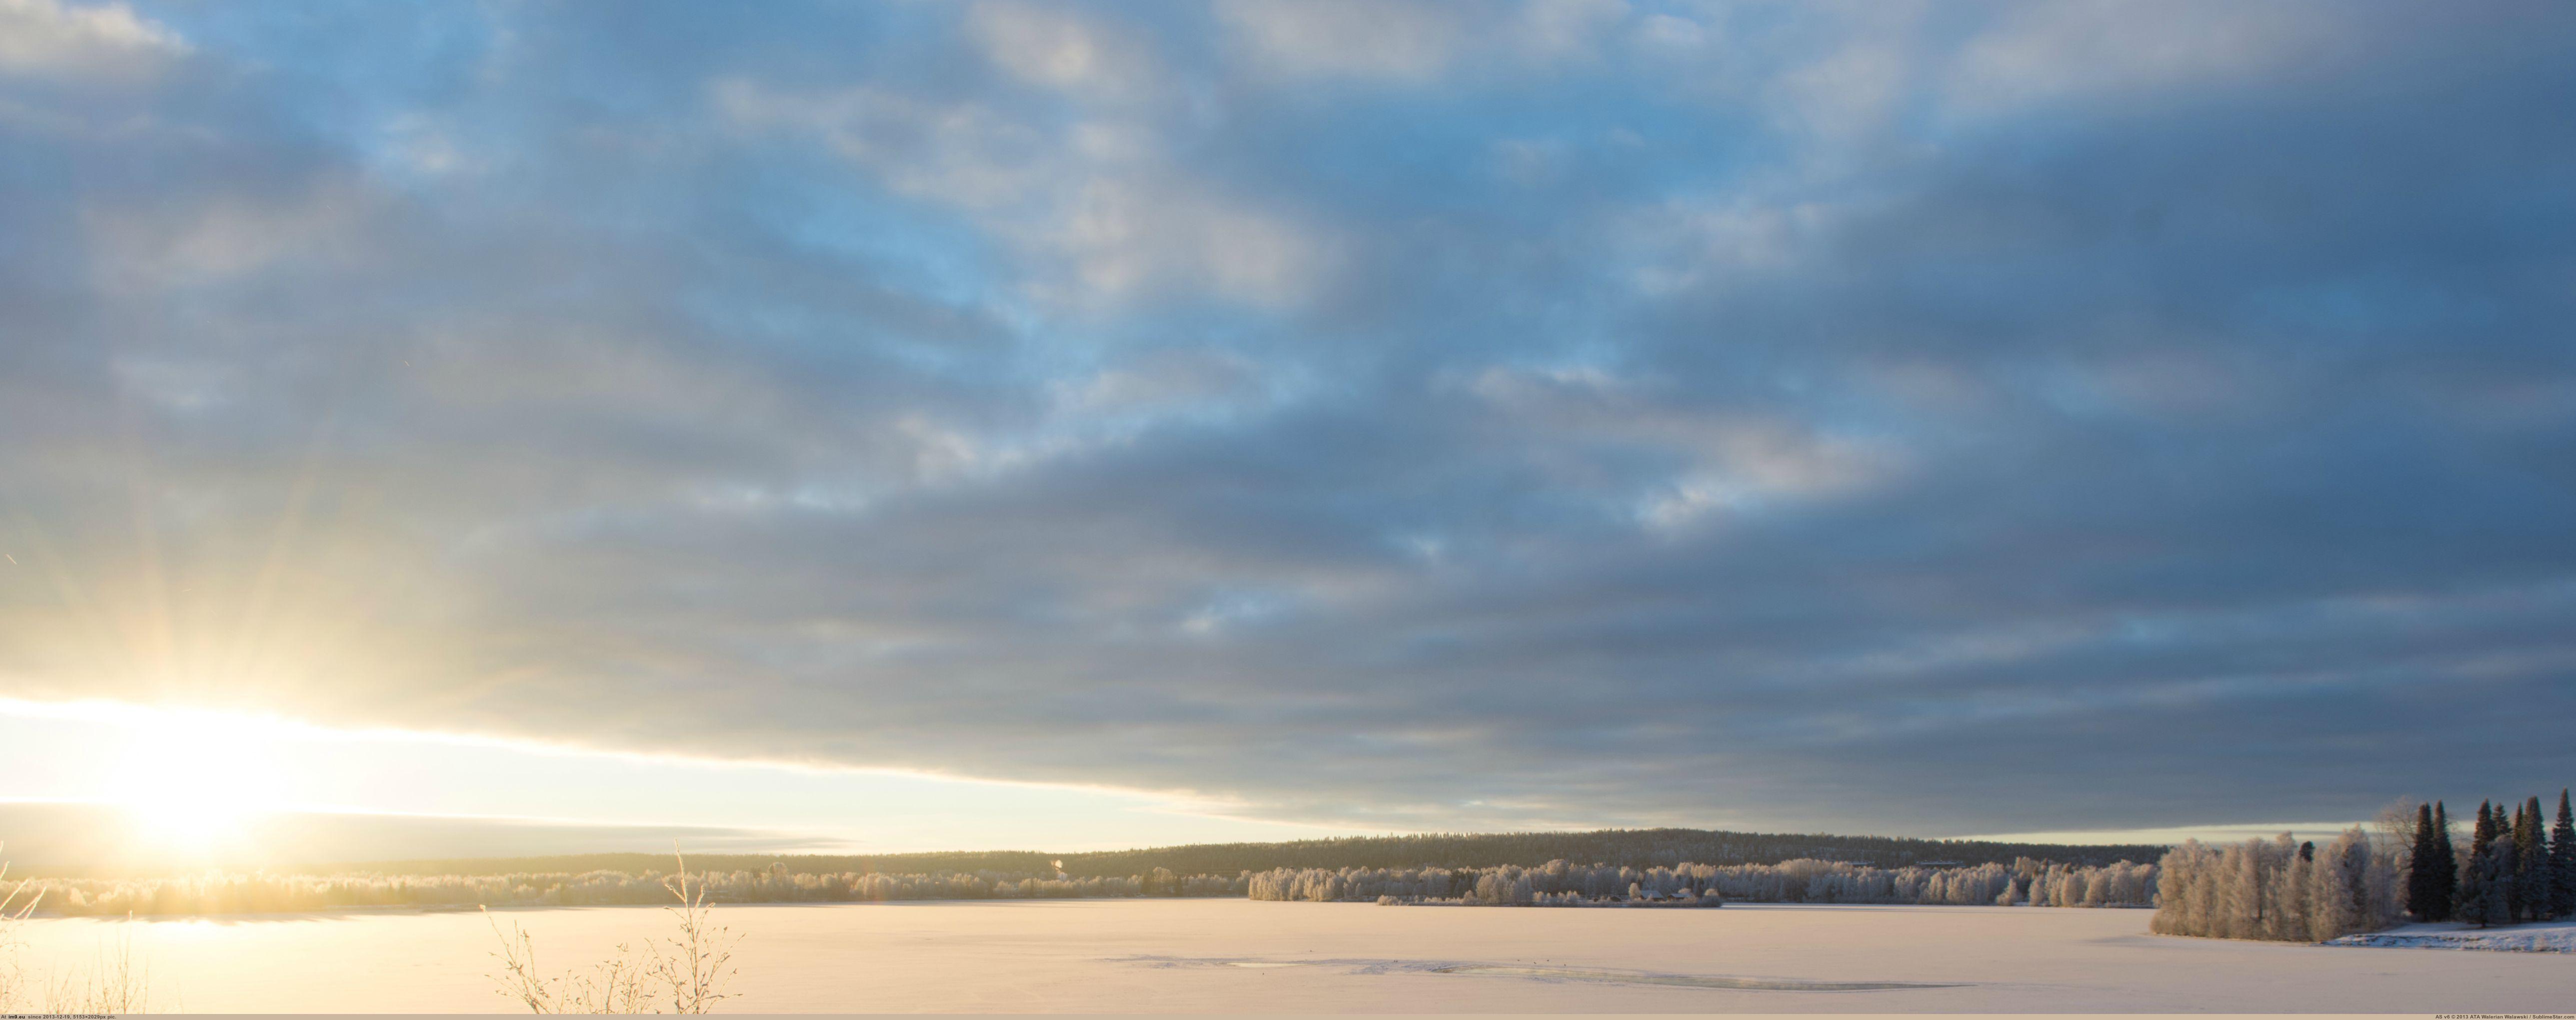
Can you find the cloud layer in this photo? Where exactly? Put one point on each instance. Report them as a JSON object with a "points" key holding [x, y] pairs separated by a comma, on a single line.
{"points": [[90, 840], [1894, 418]]}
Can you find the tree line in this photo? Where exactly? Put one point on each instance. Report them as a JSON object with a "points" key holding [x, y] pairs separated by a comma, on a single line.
{"points": [[216, 893], [1765, 868], [1198, 870], [1557, 882], [2279, 890], [2510, 871], [1637, 848], [1561, 883], [2510, 868]]}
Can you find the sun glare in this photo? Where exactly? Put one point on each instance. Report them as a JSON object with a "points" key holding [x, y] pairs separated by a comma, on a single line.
{"points": [[191, 781]]}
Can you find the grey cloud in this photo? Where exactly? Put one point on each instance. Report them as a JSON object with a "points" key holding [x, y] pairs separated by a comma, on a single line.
{"points": [[67, 840], [2169, 445]]}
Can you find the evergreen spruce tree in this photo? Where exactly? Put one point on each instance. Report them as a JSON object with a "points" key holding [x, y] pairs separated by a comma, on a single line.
{"points": [[2469, 905], [2481, 839], [2562, 862], [2487, 887], [2446, 875], [2513, 861], [2501, 894], [2420, 862], [2531, 864]]}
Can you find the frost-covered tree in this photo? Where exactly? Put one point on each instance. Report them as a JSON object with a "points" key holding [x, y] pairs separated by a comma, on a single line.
{"points": [[2183, 877], [2285, 908], [2276, 889], [2331, 904], [1794, 881]]}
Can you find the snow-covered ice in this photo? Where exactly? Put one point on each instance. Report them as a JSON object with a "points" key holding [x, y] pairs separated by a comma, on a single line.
{"points": [[1242, 956]]}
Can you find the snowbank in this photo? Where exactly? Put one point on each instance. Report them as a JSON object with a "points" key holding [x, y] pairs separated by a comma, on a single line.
{"points": [[2552, 937]]}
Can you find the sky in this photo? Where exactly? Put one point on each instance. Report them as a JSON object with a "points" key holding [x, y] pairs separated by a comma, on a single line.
{"points": [[1097, 424]]}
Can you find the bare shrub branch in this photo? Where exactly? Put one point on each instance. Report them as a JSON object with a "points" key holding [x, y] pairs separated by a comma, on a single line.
{"points": [[691, 967]]}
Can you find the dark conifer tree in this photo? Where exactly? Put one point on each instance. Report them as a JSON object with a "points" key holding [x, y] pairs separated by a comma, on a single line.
{"points": [[2513, 859], [2447, 874], [2531, 878], [2476, 894], [2483, 832], [2562, 862], [2507, 866], [2500, 871], [2421, 859]]}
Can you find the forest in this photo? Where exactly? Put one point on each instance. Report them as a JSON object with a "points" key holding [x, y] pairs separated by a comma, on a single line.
{"points": [[2507, 867], [1754, 866], [215, 893], [2509, 870], [1635, 848], [2025, 881]]}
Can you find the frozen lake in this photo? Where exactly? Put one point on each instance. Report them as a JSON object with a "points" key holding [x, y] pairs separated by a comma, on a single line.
{"points": [[1241, 956]]}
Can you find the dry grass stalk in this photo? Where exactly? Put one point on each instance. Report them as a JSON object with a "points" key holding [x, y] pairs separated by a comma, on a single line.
{"points": [[691, 967], [117, 985], [702, 956], [13, 981]]}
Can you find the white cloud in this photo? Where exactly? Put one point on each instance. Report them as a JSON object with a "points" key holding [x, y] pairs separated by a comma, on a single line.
{"points": [[224, 236], [1567, 28], [1744, 464], [1529, 162], [1668, 32], [1382, 39], [1412, 41], [1093, 195], [422, 146], [2106, 47], [1853, 91], [50, 38], [1053, 47], [1690, 244], [1165, 380], [1125, 236], [1731, 460], [963, 153]]}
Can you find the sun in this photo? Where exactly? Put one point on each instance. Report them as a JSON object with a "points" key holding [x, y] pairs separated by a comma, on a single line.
{"points": [[191, 781]]}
